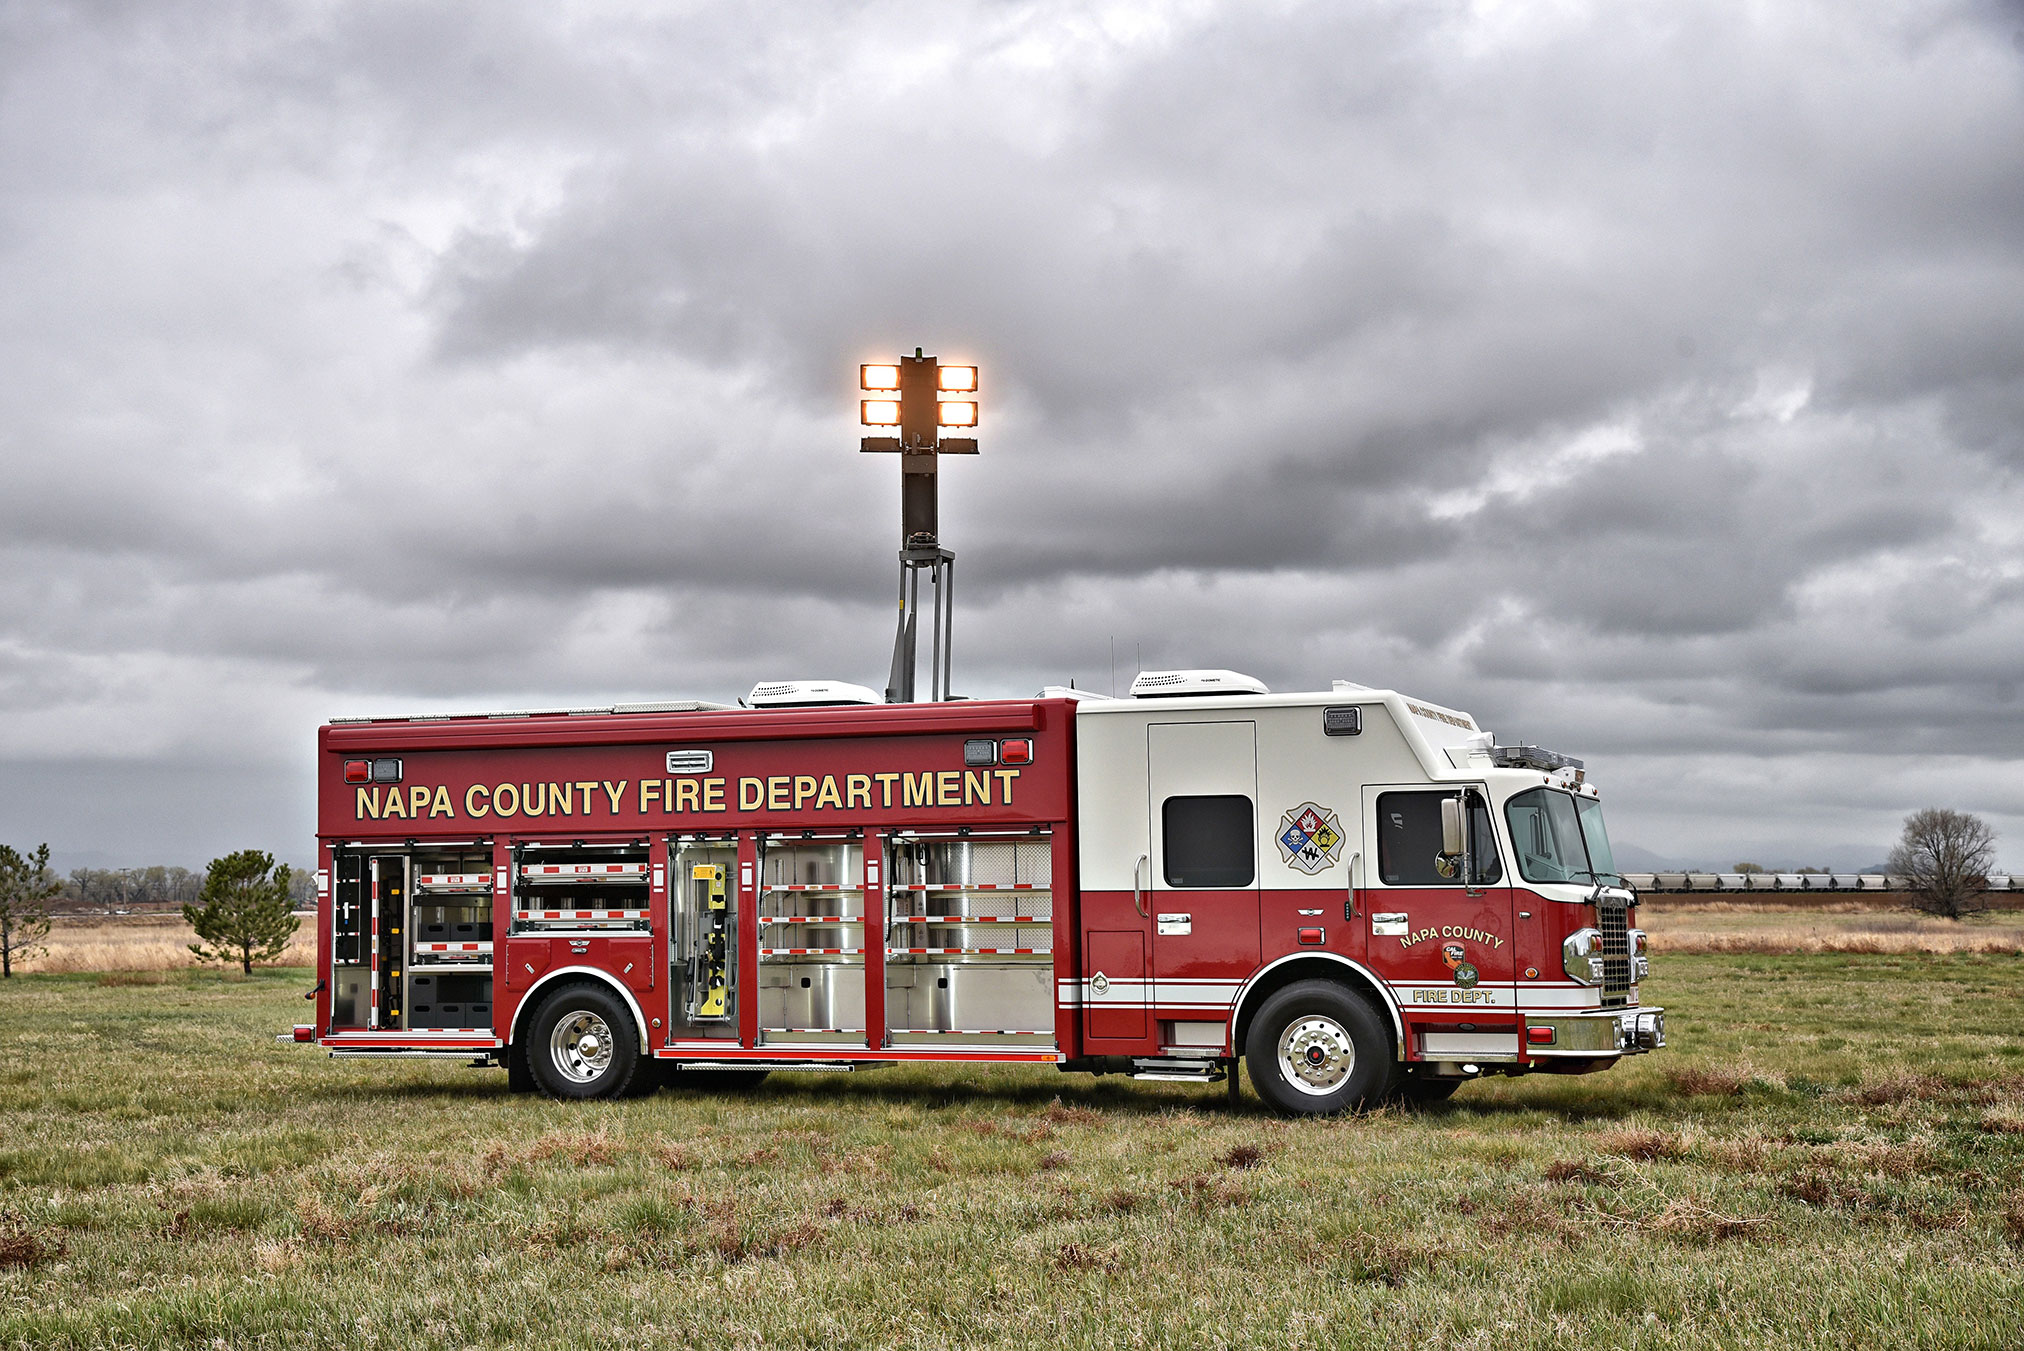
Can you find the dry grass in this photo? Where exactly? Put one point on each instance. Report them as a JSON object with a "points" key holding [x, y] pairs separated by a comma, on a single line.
{"points": [[1845, 927], [138, 943], [1823, 1158]]}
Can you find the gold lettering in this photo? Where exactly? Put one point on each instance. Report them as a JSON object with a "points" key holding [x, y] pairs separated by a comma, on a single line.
{"points": [[976, 787], [584, 788], [561, 799], [439, 805], [418, 800], [614, 791], [804, 789], [368, 804], [713, 795], [949, 788], [920, 789], [650, 791], [396, 804], [1006, 777], [500, 805], [533, 799], [777, 787], [885, 781], [828, 797], [688, 795], [857, 788], [751, 792], [472, 805]]}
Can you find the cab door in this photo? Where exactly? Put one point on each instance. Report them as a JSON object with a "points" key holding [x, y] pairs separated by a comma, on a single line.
{"points": [[1203, 887], [1441, 933]]}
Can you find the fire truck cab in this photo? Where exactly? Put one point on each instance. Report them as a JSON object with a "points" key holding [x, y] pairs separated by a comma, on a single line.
{"points": [[1360, 894]]}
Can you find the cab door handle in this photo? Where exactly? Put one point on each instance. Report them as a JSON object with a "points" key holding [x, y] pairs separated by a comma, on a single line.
{"points": [[1138, 901]]}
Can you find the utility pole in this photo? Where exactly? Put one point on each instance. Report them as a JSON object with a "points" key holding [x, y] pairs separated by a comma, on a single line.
{"points": [[912, 398]]}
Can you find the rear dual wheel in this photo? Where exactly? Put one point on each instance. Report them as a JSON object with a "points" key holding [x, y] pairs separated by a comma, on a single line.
{"points": [[581, 1044], [1315, 1048]]}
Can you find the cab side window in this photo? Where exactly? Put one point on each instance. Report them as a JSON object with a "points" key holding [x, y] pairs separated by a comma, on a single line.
{"points": [[1409, 842], [1209, 841]]}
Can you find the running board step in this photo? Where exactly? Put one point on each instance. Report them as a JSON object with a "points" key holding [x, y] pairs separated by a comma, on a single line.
{"points": [[783, 1066], [1177, 1071], [476, 1057]]}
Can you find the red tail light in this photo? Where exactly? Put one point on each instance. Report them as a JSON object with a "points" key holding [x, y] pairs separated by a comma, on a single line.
{"points": [[1015, 753], [358, 771], [1539, 1036]]}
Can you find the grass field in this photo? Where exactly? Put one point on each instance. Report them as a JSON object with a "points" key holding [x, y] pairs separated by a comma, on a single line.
{"points": [[1831, 1155], [1678, 924]]}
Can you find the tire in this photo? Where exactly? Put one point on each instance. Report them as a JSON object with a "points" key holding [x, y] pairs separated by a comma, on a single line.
{"points": [[581, 1044], [718, 1081], [1315, 1048]]}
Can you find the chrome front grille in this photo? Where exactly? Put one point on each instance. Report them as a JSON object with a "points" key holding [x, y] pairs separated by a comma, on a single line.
{"points": [[1611, 919]]}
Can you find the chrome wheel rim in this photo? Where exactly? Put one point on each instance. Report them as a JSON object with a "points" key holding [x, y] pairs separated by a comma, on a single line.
{"points": [[1316, 1055], [580, 1046]]}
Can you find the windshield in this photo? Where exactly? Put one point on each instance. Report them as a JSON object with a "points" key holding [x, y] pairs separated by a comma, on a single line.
{"points": [[1600, 856], [1547, 831]]}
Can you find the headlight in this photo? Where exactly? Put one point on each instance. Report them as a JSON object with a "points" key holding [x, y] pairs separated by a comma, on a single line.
{"points": [[1640, 961], [1581, 956]]}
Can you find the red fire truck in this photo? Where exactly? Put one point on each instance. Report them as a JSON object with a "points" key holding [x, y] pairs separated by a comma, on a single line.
{"points": [[1359, 893]]}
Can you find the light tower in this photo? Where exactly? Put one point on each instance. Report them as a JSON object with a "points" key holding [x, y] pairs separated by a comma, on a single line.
{"points": [[911, 397]]}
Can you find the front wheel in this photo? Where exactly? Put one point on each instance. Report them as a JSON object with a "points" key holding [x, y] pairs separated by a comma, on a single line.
{"points": [[1315, 1048], [581, 1044]]}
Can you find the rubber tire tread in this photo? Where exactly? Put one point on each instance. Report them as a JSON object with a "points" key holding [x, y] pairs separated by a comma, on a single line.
{"points": [[1370, 1081], [618, 1077]]}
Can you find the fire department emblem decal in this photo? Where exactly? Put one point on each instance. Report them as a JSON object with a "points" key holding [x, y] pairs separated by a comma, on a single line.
{"points": [[1310, 838]]}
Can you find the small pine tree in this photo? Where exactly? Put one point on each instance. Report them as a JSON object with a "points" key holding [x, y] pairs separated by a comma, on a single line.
{"points": [[243, 911], [26, 886]]}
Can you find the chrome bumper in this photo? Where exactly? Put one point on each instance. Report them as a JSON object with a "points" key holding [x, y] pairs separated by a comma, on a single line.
{"points": [[1600, 1033]]}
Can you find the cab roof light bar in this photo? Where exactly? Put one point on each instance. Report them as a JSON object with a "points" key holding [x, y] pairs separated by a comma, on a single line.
{"points": [[1532, 757]]}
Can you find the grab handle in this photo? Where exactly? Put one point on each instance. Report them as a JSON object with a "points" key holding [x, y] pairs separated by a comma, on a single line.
{"points": [[1137, 896]]}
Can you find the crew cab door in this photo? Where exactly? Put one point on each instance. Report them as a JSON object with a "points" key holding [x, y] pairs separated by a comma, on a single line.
{"points": [[1203, 880], [1442, 940]]}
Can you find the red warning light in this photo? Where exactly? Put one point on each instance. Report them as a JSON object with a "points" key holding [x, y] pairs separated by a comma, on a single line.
{"points": [[358, 771], [1015, 753]]}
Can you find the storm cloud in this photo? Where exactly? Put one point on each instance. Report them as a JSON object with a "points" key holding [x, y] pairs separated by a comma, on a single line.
{"points": [[1646, 379]]}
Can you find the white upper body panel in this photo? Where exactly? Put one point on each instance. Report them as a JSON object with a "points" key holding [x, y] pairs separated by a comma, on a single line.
{"points": [[1297, 766]]}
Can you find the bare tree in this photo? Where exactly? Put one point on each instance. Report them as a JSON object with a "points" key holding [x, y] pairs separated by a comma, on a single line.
{"points": [[1946, 855], [26, 884]]}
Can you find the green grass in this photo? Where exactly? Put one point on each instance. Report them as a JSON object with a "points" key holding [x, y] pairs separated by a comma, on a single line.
{"points": [[1830, 1155]]}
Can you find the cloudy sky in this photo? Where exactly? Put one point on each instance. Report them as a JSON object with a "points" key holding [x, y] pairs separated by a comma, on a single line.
{"points": [[1647, 379]]}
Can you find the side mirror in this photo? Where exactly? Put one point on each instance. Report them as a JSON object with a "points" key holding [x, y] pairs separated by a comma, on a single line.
{"points": [[1451, 825]]}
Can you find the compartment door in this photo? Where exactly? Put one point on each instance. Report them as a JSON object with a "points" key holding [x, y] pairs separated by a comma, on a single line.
{"points": [[1204, 891]]}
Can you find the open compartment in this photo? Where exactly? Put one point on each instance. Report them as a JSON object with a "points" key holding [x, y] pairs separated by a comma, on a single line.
{"points": [[970, 938]]}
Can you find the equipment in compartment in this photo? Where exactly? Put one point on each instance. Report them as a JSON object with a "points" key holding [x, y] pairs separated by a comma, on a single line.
{"points": [[449, 939], [710, 989], [702, 939], [579, 888]]}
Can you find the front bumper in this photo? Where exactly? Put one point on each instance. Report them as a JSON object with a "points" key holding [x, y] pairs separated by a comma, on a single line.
{"points": [[1604, 1032]]}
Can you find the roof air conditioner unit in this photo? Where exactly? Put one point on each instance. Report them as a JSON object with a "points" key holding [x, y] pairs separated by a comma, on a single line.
{"points": [[810, 694], [1175, 684]]}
